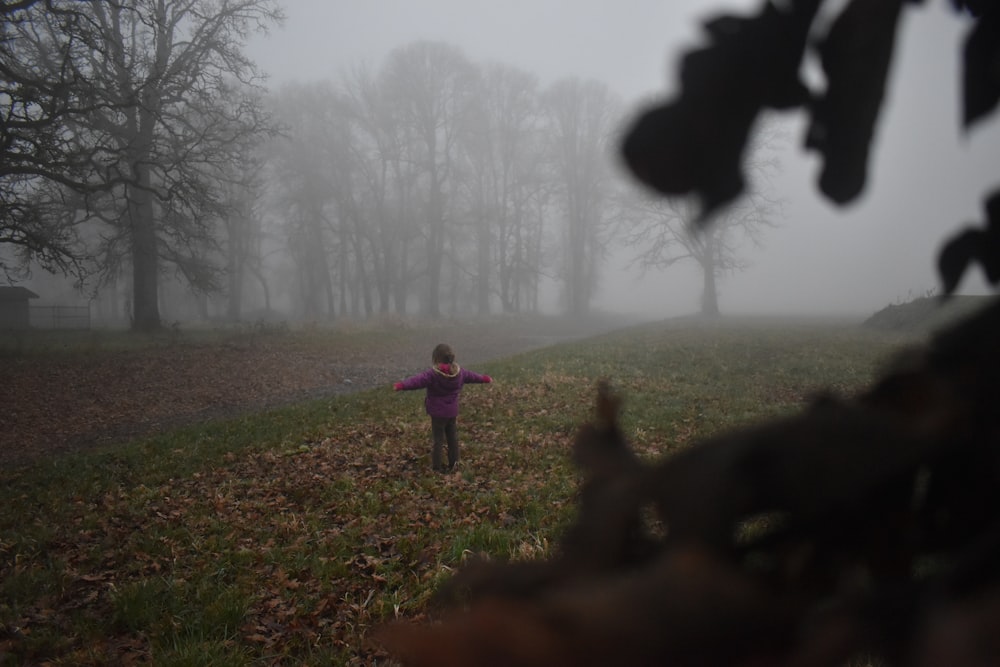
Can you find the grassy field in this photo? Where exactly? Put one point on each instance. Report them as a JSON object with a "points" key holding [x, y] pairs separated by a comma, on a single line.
{"points": [[284, 538]]}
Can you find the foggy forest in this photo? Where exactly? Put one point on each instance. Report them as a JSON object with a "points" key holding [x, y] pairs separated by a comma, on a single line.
{"points": [[152, 173], [209, 486]]}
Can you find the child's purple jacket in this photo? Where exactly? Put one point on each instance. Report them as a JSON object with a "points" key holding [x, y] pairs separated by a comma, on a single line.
{"points": [[442, 388]]}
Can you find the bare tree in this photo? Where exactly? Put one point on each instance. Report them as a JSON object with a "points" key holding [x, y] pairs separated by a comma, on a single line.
{"points": [[385, 164], [582, 117], [240, 217], [161, 73], [45, 168], [353, 202], [411, 173], [662, 230], [303, 192], [505, 177], [432, 86]]}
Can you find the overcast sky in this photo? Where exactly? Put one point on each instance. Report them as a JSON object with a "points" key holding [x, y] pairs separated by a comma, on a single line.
{"points": [[927, 177]]}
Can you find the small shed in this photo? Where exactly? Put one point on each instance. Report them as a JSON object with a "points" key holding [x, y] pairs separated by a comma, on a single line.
{"points": [[14, 307]]}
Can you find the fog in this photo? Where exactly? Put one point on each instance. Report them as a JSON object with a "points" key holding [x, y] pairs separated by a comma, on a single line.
{"points": [[926, 180]]}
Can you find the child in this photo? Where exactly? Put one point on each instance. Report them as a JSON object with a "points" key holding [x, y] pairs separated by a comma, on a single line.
{"points": [[443, 382]]}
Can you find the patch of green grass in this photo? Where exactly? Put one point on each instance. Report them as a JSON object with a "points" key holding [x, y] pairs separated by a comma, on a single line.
{"points": [[285, 537]]}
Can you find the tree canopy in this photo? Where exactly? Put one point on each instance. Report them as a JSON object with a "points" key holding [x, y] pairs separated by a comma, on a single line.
{"points": [[121, 119]]}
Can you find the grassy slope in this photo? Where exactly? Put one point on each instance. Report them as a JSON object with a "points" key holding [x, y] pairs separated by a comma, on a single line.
{"points": [[926, 313], [283, 538]]}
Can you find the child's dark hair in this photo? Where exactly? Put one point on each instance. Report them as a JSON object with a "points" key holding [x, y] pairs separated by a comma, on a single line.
{"points": [[443, 354]]}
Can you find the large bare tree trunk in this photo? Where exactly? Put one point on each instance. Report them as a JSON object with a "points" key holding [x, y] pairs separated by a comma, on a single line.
{"points": [[236, 264], [145, 266], [710, 293], [265, 289]]}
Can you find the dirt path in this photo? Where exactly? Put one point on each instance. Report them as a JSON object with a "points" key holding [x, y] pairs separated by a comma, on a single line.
{"points": [[54, 403]]}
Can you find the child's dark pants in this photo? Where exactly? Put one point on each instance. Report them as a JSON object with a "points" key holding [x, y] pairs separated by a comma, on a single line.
{"points": [[444, 429]]}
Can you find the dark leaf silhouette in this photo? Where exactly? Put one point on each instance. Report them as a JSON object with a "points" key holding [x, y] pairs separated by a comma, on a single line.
{"points": [[855, 56], [981, 85], [695, 143], [686, 608], [974, 7], [973, 246]]}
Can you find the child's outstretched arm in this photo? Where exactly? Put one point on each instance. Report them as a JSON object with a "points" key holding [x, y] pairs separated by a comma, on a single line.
{"points": [[472, 377], [418, 381]]}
